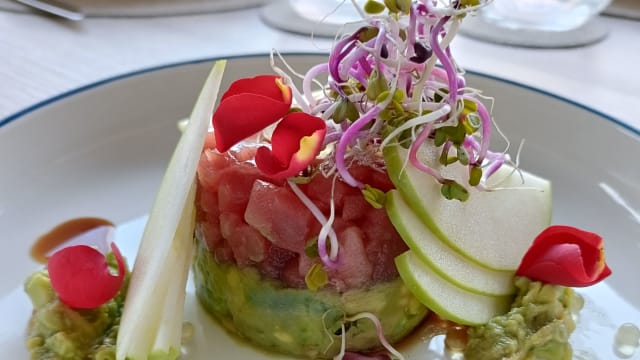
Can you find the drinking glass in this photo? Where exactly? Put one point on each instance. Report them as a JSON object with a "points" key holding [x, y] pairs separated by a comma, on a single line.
{"points": [[543, 15]]}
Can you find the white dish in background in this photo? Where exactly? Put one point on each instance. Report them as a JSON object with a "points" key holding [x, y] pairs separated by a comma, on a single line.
{"points": [[101, 151], [283, 16], [142, 8]]}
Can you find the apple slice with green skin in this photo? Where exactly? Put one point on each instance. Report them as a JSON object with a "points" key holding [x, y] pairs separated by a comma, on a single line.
{"points": [[492, 228], [441, 258], [445, 299]]}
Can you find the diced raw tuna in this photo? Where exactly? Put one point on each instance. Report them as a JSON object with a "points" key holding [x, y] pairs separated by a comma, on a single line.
{"points": [[279, 215], [208, 201], [247, 218], [291, 275], [319, 190], [304, 265], [355, 207], [374, 178], [223, 253], [339, 224], [234, 188], [209, 230], [248, 245], [382, 244], [354, 268], [277, 258], [209, 167], [229, 222]]}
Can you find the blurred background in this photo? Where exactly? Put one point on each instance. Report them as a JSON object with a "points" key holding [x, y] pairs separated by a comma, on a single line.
{"points": [[583, 52]]}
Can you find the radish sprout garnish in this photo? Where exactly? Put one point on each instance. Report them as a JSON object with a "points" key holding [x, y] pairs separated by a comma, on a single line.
{"points": [[393, 353], [329, 259], [367, 315], [382, 88], [346, 324]]}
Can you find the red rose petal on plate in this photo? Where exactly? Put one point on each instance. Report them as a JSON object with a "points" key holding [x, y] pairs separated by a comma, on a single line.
{"points": [[564, 255], [248, 106], [80, 276], [562, 264], [295, 142]]}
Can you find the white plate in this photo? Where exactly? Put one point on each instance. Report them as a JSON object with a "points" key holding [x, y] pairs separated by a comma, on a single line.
{"points": [[101, 151]]}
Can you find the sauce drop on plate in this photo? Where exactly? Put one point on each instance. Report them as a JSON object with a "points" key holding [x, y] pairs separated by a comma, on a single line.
{"points": [[83, 230], [455, 340], [627, 340]]}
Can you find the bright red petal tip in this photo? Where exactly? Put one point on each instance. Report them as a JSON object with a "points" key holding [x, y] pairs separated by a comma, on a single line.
{"points": [[564, 255], [295, 143], [80, 276], [248, 106]]}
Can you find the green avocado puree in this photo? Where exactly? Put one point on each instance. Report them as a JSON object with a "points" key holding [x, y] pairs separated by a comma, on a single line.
{"points": [[301, 322], [59, 332], [306, 323], [537, 327]]}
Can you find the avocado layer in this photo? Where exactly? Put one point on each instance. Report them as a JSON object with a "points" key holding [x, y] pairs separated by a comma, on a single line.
{"points": [[301, 322], [537, 327]]}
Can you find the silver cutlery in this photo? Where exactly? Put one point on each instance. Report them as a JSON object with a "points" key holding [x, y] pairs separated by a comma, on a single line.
{"points": [[55, 7]]}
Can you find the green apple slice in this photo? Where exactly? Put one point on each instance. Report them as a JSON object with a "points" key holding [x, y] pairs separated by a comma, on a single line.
{"points": [[441, 258], [492, 228], [445, 299]]}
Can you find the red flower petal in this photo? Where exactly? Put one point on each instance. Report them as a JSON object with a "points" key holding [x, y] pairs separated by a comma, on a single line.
{"points": [[248, 106], [294, 145], [268, 85], [80, 276], [564, 255]]}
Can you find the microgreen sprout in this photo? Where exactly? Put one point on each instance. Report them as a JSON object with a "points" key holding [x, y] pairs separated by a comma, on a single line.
{"points": [[329, 259], [383, 88], [375, 197], [316, 277], [376, 322], [347, 323]]}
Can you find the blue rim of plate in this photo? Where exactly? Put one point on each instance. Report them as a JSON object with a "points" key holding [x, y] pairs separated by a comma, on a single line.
{"points": [[16, 116]]}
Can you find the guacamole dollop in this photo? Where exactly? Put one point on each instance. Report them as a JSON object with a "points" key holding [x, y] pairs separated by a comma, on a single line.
{"points": [[57, 331], [537, 327]]}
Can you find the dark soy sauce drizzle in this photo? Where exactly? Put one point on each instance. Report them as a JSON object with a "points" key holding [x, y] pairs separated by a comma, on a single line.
{"points": [[64, 232]]}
